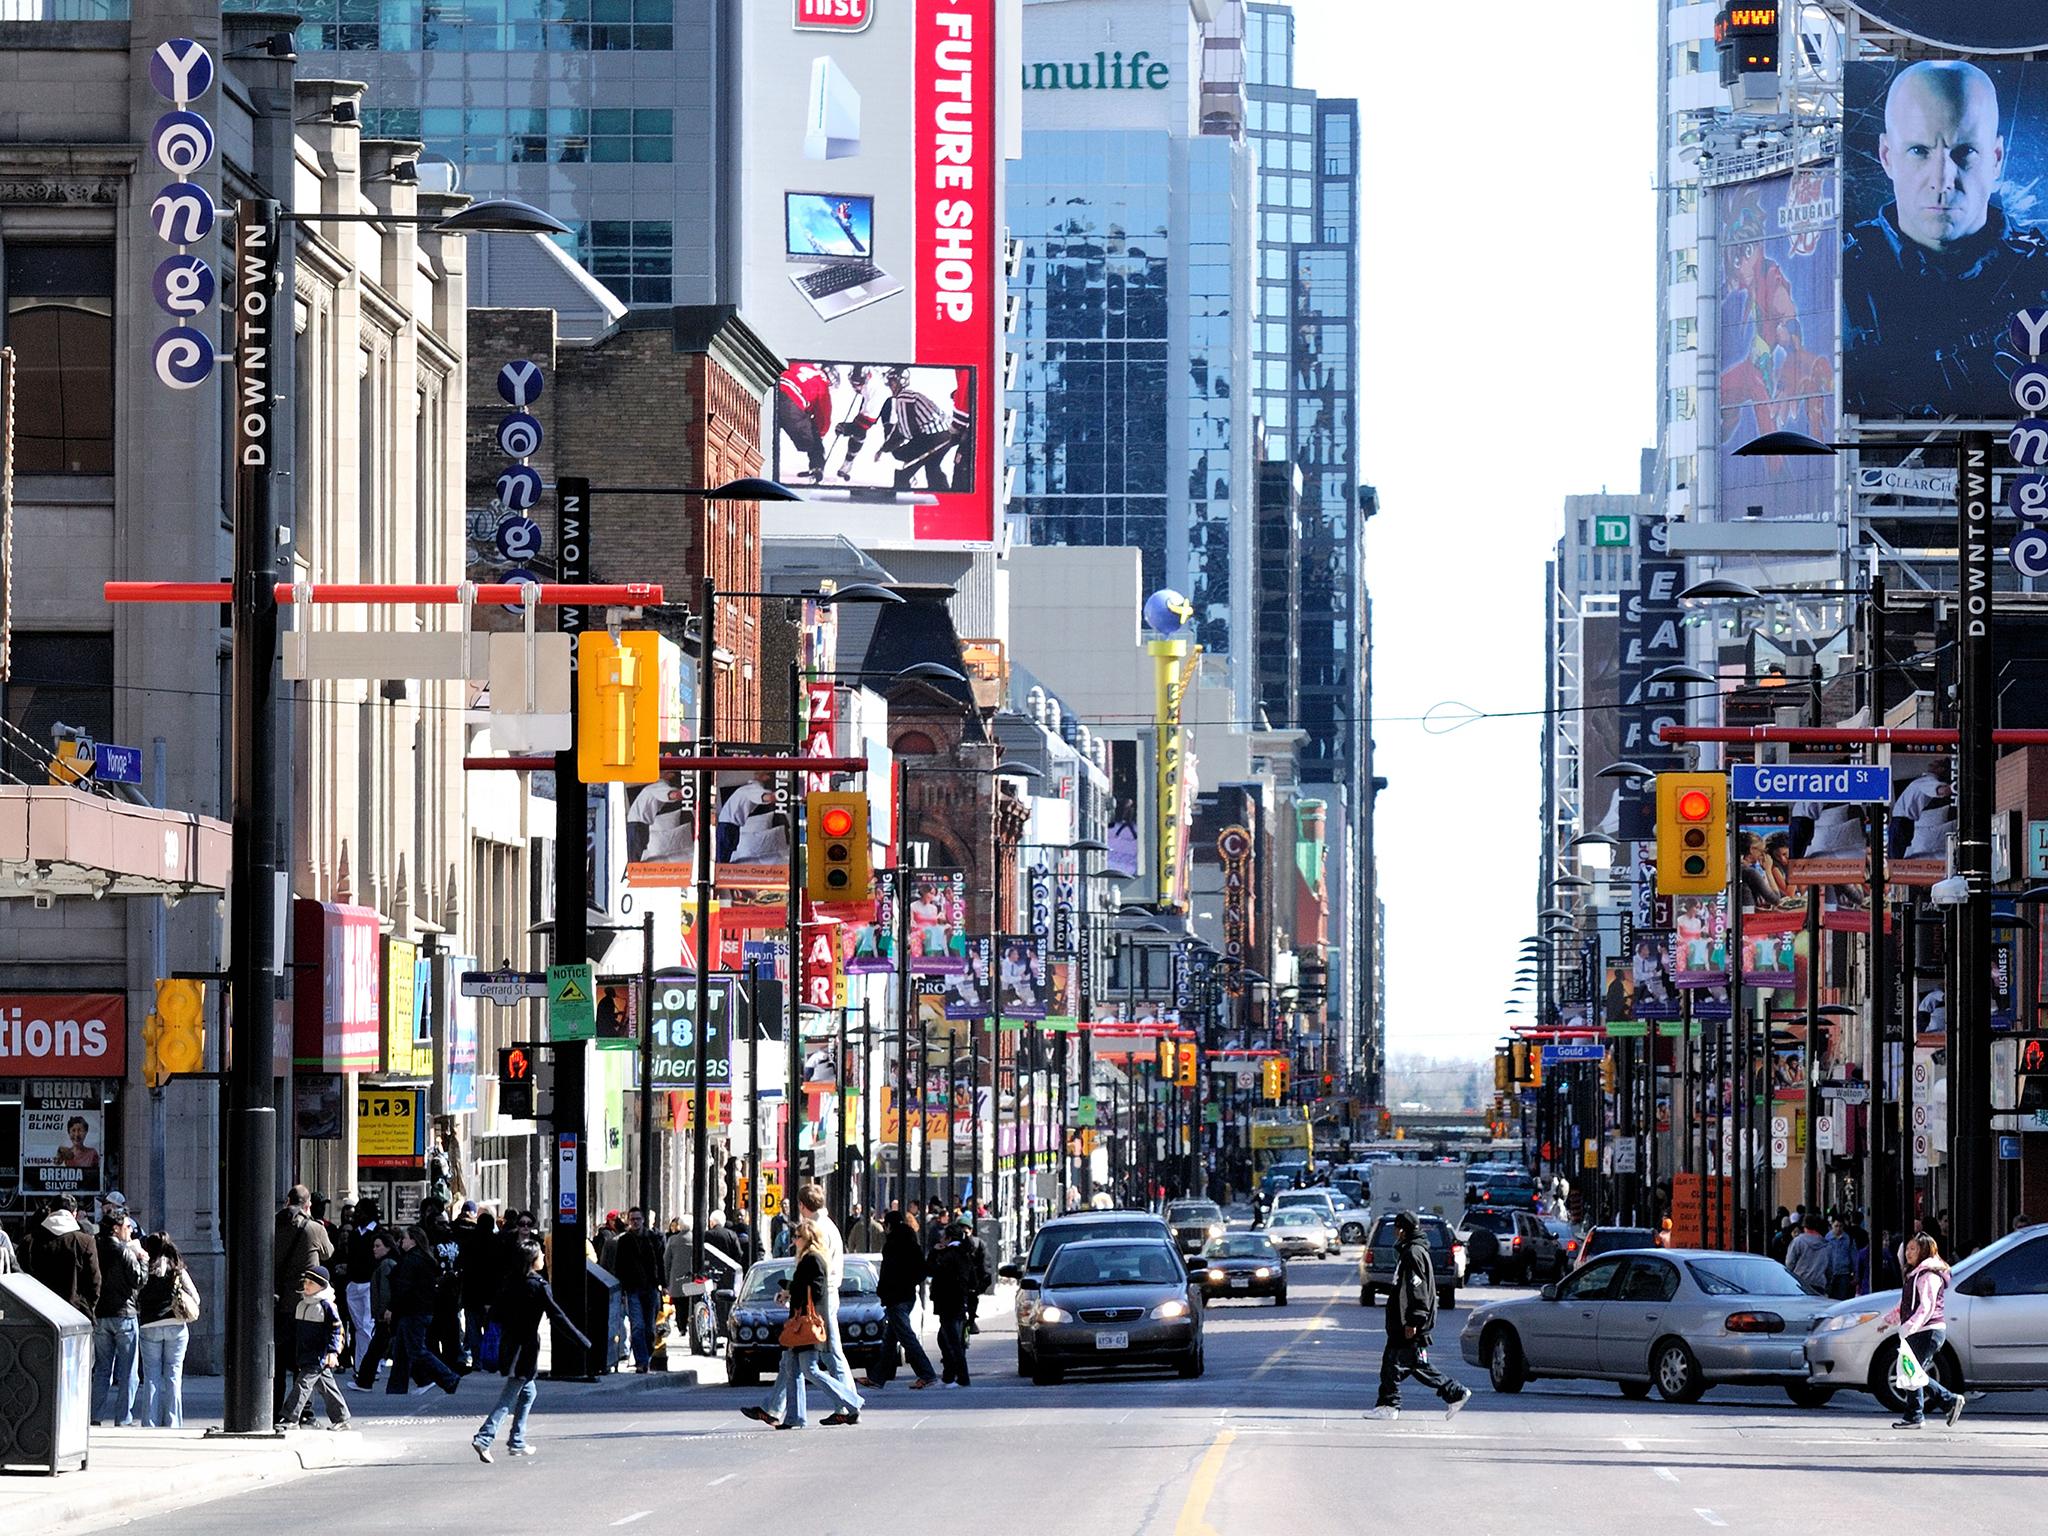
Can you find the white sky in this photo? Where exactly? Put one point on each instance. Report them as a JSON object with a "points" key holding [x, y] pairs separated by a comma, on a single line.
{"points": [[1508, 218]]}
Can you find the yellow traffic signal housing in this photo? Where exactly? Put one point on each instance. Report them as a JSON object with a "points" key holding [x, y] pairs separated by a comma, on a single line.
{"points": [[1518, 1058], [836, 847], [1607, 1071], [1272, 1079], [1692, 834], [1501, 1067], [1167, 1059], [618, 707], [1184, 1074], [174, 1034]]}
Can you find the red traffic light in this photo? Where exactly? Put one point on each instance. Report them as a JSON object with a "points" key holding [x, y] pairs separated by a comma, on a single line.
{"points": [[1695, 805], [836, 822], [518, 1065]]}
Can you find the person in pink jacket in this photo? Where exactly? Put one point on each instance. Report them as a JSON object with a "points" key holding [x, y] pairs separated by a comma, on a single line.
{"points": [[1924, 1325]]}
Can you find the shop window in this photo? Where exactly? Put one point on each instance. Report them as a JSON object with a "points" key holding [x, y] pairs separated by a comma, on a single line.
{"points": [[60, 323]]}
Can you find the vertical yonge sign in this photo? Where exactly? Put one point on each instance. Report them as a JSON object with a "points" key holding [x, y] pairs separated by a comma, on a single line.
{"points": [[1106, 72]]}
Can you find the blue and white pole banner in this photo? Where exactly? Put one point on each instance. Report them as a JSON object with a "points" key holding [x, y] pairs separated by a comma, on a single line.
{"points": [[1773, 783], [2027, 495], [510, 535], [182, 214]]}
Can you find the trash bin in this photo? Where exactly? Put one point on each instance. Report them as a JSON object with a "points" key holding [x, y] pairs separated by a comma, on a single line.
{"points": [[604, 1319], [46, 1361]]}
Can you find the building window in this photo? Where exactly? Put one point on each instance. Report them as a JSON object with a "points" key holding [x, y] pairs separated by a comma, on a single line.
{"points": [[60, 323], [1681, 472], [635, 258], [1685, 334], [1685, 197], [1685, 58], [57, 679], [1685, 265], [1678, 404]]}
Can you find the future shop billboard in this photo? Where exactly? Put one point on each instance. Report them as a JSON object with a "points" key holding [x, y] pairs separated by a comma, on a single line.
{"points": [[872, 235]]}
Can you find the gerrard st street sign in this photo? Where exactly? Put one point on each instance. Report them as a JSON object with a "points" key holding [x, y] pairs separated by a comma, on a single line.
{"points": [[1836, 783]]}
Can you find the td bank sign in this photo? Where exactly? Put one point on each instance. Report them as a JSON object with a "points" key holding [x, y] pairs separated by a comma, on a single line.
{"points": [[1104, 72]]}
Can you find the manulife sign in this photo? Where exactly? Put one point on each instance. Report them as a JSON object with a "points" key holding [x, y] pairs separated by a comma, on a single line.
{"points": [[1104, 72]]}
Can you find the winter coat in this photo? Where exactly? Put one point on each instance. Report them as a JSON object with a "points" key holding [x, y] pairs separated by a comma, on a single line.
{"points": [[380, 1286], [316, 1329], [1411, 1300], [1928, 1287], [952, 1279], [902, 1267], [517, 1312], [637, 1261], [362, 1263], [414, 1284], [483, 1266], [980, 1275], [123, 1268], [161, 1291], [65, 1260], [301, 1242]]}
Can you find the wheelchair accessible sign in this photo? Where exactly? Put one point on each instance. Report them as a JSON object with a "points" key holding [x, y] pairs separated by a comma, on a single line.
{"points": [[1825, 783]]}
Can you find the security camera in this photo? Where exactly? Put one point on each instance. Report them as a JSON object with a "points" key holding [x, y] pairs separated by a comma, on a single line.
{"points": [[43, 901]]}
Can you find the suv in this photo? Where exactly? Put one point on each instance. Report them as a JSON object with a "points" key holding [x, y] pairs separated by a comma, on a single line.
{"points": [[1377, 1264], [1500, 1186], [1194, 1223], [1510, 1245]]}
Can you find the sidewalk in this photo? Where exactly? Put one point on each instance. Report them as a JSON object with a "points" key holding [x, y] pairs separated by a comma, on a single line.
{"points": [[135, 1473]]}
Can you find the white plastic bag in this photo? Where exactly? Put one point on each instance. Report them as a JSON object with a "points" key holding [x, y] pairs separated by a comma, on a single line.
{"points": [[1908, 1375]]}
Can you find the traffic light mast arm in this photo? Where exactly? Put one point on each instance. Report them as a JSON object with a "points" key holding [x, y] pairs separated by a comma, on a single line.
{"points": [[688, 763]]}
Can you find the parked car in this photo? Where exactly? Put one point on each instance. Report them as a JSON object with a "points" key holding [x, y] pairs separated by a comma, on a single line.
{"points": [[1303, 1231], [1601, 1240], [1997, 1318], [1679, 1319], [753, 1339], [1511, 1246], [1110, 1302], [1194, 1223], [1377, 1264], [1242, 1264]]}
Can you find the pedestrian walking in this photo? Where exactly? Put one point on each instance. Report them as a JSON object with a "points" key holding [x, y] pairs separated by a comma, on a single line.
{"points": [[444, 1246], [64, 1258], [166, 1309], [902, 1272], [1841, 1260], [115, 1338], [316, 1350], [1411, 1317], [637, 1264], [1924, 1302], [360, 1234], [981, 1274], [953, 1277], [414, 1284], [517, 1312], [1807, 1256], [382, 1338], [299, 1244], [810, 1200], [804, 1342], [483, 1276]]}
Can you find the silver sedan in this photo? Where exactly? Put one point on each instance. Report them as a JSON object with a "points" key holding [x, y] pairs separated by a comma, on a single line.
{"points": [[1679, 1319], [1302, 1233]]}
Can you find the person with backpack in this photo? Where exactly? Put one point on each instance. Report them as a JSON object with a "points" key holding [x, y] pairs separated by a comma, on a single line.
{"points": [[415, 1284], [1411, 1316], [167, 1307], [516, 1316]]}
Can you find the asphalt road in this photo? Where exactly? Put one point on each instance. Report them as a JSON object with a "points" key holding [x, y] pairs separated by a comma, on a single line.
{"points": [[1271, 1438]]}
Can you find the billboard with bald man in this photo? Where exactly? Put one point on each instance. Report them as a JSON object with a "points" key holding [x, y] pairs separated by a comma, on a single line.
{"points": [[1942, 233]]}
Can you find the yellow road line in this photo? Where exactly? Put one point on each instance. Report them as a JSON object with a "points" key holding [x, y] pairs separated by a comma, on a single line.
{"points": [[1193, 1519]]}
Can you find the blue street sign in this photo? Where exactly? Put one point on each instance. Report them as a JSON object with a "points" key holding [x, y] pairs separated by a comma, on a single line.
{"points": [[1564, 1055], [2008, 1149], [116, 765], [1828, 783]]}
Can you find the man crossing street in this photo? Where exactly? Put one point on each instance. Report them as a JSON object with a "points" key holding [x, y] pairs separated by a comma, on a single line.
{"points": [[1411, 1316]]}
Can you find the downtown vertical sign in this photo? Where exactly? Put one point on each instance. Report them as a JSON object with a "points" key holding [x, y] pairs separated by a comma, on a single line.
{"points": [[1651, 637]]}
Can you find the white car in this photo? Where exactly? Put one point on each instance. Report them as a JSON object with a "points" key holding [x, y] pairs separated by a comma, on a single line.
{"points": [[1314, 1198], [1302, 1231], [1997, 1322]]}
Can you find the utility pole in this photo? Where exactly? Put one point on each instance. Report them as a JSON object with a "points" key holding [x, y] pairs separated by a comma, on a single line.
{"points": [[1976, 761]]}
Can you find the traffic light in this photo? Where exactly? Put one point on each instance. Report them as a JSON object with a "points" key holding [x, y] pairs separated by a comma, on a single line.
{"points": [[174, 1034], [1167, 1060], [618, 703], [1692, 834], [1503, 1065], [1518, 1058], [1184, 1073], [2033, 1074], [1607, 1071], [836, 847], [1273, 1079], [515, 1082]]}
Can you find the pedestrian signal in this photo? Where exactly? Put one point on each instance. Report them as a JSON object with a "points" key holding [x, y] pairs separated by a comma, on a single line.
{"points": [[1692, 834], [174, 1034], [836, 847], [1167, 1059], [2033, 1073], [618, 703], [515, 1082]]}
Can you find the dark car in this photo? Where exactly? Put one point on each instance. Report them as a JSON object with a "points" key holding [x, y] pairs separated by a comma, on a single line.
{"points": [[1194, 1223], [1510, 1245], [1599, 1240], [753, 1341], [1243, 1264], [1496, 1186], [1107, 1303], [1056, 1234], [1377, 1264]]}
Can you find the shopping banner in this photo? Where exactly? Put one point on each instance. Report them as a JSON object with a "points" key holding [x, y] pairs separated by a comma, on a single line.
{"points": [[938, 921]]}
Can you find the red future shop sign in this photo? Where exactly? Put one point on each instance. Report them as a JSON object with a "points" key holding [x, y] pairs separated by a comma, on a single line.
{"points": [[834, 15], [63, 1034], [960, 232]]}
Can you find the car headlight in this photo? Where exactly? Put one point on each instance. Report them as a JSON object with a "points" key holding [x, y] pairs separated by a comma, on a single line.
{"points": [[1262, 1273], [1216, 1229], [749, 1333], [1844, 1320], [1217, 1276], [1167, 1310], [1048, 1313]]}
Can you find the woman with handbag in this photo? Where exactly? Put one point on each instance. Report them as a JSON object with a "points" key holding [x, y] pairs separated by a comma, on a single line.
{"points": [[1921, 1331], [168, 1306], [803, 1341]]}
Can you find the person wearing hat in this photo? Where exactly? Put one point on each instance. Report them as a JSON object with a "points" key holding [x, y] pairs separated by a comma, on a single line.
{"points": [[953, 1288], [317, 1338], [1411, 1315]]}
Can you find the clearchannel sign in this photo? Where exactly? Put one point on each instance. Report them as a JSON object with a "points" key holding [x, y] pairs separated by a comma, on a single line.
{"points": [[1982, 26]]}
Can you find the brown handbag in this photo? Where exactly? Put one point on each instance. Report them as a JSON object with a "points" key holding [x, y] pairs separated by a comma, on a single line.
{"points": [[804, 1330]]}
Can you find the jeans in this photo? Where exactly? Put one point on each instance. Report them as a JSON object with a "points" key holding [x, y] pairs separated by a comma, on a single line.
{"points": [[798, 1367], [113, 1370], [642, 1308], [953, 1347], [900, 1330], [371, 1348], [517, 1401], [1410, 1357], [419, 1357], [163, 1375], [1925, 1346], [835, 1348]]}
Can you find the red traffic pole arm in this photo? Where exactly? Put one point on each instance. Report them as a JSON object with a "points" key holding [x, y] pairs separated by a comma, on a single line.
{"points": [[686, 764], [1839, 736], [632, 594]]}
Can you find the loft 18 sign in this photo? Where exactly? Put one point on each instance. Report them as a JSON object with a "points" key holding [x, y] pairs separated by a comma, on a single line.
{"points": [[182, 213], [2027, 493]]}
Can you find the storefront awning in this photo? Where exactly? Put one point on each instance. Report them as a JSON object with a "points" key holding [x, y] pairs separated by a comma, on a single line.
{"points": [[67, 842]]}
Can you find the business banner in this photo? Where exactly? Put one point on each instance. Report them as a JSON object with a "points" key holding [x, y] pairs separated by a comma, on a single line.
{"points": [[63, 1134], [63, 1034], [1650, 639]]}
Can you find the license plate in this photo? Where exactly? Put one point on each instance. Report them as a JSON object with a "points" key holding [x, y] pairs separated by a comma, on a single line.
{"points": [[1112, 1341], [1240, 1282]]}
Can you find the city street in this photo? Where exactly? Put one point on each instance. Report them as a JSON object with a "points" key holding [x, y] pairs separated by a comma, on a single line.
{"points": [[1270, 1437]]}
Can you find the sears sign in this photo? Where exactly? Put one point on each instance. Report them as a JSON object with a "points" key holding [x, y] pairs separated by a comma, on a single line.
{"points": [[63, 1034], [834, 15]]}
